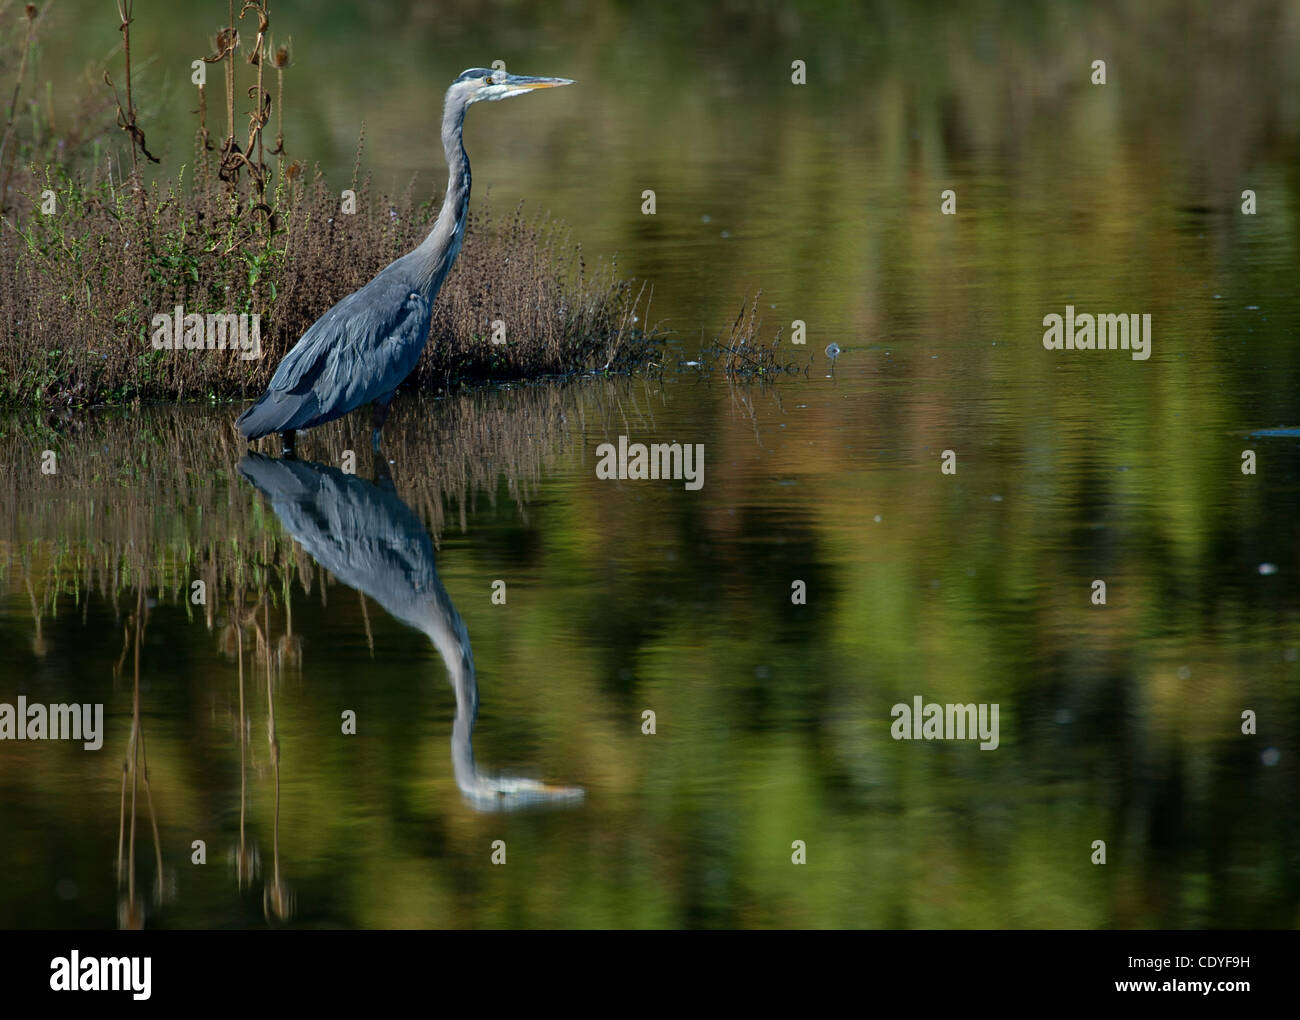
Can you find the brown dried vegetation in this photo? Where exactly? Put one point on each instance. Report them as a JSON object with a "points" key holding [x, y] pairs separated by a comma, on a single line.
{"points": [[79, 286]]}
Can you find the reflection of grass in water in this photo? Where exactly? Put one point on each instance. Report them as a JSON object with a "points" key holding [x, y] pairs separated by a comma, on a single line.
{"points": [[105, 524], [904, 834], [155, 501]]}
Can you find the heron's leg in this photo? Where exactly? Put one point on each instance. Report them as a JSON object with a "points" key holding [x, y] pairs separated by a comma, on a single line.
{"points": [[290, 441], [380, 416]]}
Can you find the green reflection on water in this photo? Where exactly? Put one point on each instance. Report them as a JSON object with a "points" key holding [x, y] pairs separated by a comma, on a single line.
{"points": [[1119, 723]]}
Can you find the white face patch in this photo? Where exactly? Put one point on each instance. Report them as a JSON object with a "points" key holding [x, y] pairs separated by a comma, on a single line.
{"points": [[492, 91]]}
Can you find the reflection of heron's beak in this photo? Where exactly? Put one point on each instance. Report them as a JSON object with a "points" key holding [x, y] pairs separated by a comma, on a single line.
{"points": [[509, 793], [560, 792], [523, 82]]}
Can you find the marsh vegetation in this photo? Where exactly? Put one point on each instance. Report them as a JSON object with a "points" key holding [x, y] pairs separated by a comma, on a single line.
{"points": [[95, 246]]}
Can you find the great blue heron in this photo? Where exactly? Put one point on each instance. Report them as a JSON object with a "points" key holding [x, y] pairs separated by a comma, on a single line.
{"points": [[365, 536], [361, 349]]}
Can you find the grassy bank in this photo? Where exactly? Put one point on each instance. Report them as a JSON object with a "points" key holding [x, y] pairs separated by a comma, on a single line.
{"points": [[92, 248]]}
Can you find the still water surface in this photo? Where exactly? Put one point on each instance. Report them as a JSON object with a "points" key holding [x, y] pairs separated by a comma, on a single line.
{"points": [[373, 594]]}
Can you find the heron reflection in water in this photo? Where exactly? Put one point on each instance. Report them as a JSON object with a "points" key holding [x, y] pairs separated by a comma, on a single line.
{"points": [[364, 535]]}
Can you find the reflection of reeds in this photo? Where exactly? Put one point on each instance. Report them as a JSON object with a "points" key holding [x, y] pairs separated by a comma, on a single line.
{"points": [[135, 766], [277, 898], [95, 525], [246, 858], [142, 506]]}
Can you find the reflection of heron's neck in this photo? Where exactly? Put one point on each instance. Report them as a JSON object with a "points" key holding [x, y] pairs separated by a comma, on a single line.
{"points": [[487, 792], [372, 541], [448, 633]]}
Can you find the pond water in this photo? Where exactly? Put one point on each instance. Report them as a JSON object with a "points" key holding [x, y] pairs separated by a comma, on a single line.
{"points": [[493, 620]]}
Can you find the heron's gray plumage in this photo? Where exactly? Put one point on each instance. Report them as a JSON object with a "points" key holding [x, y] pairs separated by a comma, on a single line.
{"points": [[370, 540], [355, 354], [360, 350]]}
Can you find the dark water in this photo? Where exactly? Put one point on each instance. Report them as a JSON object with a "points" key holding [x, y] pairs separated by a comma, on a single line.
{"points": [[329, 593]]}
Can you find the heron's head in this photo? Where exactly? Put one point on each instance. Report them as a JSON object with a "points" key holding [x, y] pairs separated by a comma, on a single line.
{"points": [[479, 83]]}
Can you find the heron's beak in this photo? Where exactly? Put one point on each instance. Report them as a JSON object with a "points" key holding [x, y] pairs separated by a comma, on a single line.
{"points": [[523, 82]]}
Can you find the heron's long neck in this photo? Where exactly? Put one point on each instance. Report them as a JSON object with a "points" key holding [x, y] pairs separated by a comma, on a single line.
{"points": [[437, 252]]}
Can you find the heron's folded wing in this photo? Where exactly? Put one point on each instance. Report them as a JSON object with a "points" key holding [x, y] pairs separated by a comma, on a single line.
{"points": [[360, 349]]}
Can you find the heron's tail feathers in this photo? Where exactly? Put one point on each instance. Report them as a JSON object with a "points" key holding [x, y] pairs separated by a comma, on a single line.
{"points": [[270, 415], [259, 420]]}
